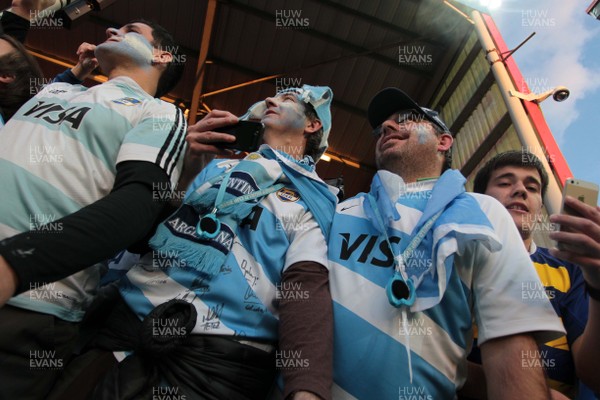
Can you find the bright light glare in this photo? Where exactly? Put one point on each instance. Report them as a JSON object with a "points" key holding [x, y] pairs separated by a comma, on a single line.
{"points": [[495, 4], [491, 4]]}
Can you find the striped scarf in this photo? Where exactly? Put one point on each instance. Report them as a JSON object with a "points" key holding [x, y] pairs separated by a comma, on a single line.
{"points": [[461, 222]]}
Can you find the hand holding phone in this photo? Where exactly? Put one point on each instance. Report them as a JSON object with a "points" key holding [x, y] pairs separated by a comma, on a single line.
{"points": [[586, 192], [248, 136], [578, 239]]}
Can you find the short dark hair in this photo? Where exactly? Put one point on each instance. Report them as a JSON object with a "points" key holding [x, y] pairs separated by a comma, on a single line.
{"points": [[448, 153], [27, 78], [313, 141], [174, 71], [514, 158]]}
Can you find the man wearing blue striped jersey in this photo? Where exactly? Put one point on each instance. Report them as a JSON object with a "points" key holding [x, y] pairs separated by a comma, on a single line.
{"points": [[415, 260], [80, 169], [517, 179], [237, 275]]}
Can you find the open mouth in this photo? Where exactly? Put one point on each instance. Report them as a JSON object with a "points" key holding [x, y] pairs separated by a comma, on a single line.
{"points": [[517, 207]]}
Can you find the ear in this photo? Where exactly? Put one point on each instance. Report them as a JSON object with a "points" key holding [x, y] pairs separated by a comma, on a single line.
{"points": [[445, 141], [312, 126], [6, 78], [162, 57]]}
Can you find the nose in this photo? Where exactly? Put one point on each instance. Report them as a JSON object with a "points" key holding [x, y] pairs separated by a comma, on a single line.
{"points": [[389, 126], [519, 190], [270, 102], [110, 32]]}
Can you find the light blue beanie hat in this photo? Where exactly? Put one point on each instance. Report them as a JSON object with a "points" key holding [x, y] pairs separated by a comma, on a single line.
{"points": [[319, 97]]}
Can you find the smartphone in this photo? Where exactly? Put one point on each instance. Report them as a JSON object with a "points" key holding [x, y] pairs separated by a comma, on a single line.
{"points": [[586, 192], [248, 136]]}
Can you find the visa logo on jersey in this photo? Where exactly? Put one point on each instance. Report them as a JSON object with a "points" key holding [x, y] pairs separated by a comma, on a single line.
{"points": [[57, 114], [371, 249], [128, 101]]}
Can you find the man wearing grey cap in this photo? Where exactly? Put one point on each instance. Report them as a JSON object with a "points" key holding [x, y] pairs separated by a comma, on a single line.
{"points": [[415, 260], [236, 285]]}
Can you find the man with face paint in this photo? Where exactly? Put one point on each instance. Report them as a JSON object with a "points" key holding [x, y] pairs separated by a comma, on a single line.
{"points": [[236, 279], [80, 169], [415, 260]]}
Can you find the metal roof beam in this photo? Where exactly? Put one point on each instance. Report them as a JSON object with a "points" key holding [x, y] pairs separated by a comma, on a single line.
{"points": [[104, 22], [487, 145], [260, 77], [209, 19], [379, 22], [338, 42]]}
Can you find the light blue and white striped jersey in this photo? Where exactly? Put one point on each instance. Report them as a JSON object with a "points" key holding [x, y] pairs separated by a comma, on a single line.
{"points": [[370, 340], [59, 153], [242, 299]]}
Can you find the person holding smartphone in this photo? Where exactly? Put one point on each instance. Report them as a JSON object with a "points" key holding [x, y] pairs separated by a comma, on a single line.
{"points": [[235, 287], [517, 179]]}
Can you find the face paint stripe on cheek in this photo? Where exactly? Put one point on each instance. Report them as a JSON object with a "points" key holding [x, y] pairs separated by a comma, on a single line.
{"points": [[292, 113], [132, 45], [422, 132]]}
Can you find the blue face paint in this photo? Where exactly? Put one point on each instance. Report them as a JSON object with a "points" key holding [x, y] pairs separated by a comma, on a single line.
{"points": [[295, 113], [289, 113], [422, 133], [135, 46], [141, 48]]}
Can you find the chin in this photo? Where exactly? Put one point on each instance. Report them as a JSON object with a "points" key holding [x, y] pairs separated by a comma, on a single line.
{"points": [[122, 52], [105, 58], [524, 222]]}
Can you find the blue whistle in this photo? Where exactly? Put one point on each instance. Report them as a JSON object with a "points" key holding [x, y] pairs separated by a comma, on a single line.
{"points": [[208, 227], [400, 292]]}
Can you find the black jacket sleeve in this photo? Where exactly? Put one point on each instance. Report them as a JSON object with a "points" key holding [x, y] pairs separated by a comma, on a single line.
{"points": [[67, 76], [14, 26], [128, 215]]}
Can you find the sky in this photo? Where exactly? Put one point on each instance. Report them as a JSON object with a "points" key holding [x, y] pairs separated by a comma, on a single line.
{"points": [[564, 52]]}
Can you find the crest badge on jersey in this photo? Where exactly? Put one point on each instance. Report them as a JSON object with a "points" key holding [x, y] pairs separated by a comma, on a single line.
{"points": [[253, 156], [288, 195], [128, 101]]}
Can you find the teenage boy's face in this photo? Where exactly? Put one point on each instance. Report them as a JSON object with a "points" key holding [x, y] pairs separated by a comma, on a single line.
{"points": [[519, 189]]}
